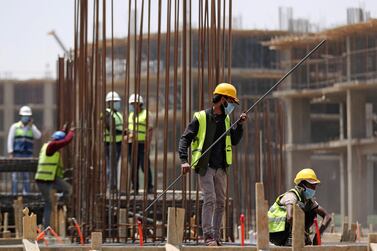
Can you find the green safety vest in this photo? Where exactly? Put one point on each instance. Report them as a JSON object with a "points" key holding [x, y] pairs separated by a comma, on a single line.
{"points": [[277, 214], [49, 167], [118, 126], [23, 139], [140, 124], [198, 142]]}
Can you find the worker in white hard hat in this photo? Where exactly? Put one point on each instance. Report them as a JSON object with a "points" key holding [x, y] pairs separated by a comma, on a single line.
{"points": [[280, 215], [113, 137], [21, 138], [139, 136]]}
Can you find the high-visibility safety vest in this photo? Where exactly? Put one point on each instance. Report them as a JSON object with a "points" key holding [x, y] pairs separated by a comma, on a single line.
{"points": [[49, 167], [277, 214], [23, 139], [140, 123], [198, 142], [118, 118]]}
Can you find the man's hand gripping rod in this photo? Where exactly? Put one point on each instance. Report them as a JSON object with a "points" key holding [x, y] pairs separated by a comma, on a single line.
{"points": [[248, 110]]}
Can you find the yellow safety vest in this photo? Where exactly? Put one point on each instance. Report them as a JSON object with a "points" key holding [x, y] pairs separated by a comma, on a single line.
{"points": [[49, 167], [118, 126], [198, 142], [277, 214], [140, 124]]}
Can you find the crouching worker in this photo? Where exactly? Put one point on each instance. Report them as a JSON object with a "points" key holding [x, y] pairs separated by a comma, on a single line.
{"points": [[280, 215], [50, 170]]}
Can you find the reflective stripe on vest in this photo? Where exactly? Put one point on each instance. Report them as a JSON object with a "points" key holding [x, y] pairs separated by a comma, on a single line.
{"points": [[277, 214], [118, 118], [140, 125], [23, 139], [198, 142], [49, 167]]}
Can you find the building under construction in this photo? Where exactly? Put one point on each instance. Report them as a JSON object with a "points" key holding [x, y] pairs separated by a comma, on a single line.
{"points": [[322, 117], [330, 115]]}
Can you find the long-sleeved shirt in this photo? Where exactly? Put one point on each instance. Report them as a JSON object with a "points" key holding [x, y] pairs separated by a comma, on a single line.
{"points": [[217, 153], [56, 145], [36, 134]]}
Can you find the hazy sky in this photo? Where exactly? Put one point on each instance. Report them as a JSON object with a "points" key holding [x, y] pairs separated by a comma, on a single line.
{"points": [[26, 50]]}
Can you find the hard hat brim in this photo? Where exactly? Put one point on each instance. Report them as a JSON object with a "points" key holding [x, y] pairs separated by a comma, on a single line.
{"points": [[314, 181]]}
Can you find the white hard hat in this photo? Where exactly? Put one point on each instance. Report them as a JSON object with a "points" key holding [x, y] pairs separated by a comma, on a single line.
{"points": [[25, 111], [135, 98], [112, 96]]}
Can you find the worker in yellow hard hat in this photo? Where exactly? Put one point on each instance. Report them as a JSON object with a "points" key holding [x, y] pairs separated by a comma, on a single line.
{"points": [[281, 212], [206, 127]]}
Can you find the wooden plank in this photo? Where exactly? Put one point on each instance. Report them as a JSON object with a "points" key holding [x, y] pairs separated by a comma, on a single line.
{"points": [[169, 247], [345, 233], [176, 221], [62, 216], [122, 223], [261, 215], [18, 206], [372, 242], [96, 240], [30, 246], [6, 232], [29, 225], [298, 232]]}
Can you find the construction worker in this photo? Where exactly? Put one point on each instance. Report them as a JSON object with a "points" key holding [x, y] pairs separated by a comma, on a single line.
{"points": [[49, 173], [137, 133], [281, 212], [20, 145], [207, 126], [113, 137]]}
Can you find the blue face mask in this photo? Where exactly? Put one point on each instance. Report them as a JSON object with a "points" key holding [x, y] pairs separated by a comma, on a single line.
{"points": [[309, 193], [131, 108], [229, 108], [117, 106], [25, 119]]}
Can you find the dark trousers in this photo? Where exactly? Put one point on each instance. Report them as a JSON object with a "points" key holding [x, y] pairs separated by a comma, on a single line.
{"points": [[136, 162], [112, 164], [45, 188]]}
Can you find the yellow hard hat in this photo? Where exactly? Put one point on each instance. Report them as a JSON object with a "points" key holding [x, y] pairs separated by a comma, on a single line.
{"points": [[308, 175], [227, 90]]}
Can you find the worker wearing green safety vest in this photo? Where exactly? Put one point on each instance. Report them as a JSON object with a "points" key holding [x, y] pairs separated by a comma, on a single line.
{"points": [[21, 138], [113, 138], [206, 127], [280, 213], [139, 137], [49, 173]]}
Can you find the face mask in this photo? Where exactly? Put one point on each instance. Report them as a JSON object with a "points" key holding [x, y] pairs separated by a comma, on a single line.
{"points": [[131, 108], [25, 119], [117, 106], [228, 109], [309, 193]]}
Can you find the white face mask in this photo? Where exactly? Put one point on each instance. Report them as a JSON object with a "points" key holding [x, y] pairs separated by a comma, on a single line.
{"points": [[117, 106], [230, 108]]}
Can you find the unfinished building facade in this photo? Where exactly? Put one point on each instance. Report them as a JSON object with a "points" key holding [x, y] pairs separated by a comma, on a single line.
{"points": [[331, 115]]}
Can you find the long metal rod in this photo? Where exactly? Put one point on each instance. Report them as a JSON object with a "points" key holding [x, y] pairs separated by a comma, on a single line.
{"points": [[247, 111]]}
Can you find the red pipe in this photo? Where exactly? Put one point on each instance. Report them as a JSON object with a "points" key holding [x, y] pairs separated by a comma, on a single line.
{"points": [[140, 228], [317, 232], [242, 221]]}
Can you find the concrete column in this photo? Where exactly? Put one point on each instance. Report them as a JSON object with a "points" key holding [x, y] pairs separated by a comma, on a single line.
{"points": [[49, 123], [343, 180], [348, 58], [356, 161], [341, 121], [298, 132]]}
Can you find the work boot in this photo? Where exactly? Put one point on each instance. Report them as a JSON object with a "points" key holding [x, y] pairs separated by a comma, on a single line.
{"points": [[209, 240]]}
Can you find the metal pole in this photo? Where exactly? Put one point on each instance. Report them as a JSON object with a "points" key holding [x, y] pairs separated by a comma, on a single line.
{"points": [[247, 111]]}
